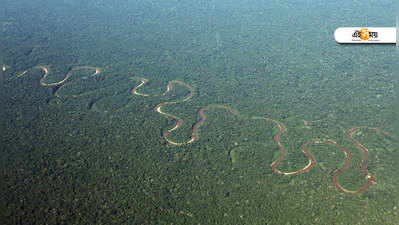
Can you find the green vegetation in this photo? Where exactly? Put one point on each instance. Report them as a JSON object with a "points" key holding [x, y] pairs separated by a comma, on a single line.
{"points": [[95, 154]]}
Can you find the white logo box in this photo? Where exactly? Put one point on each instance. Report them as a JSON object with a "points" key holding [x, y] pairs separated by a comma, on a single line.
{"points": [[379, 35]]}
